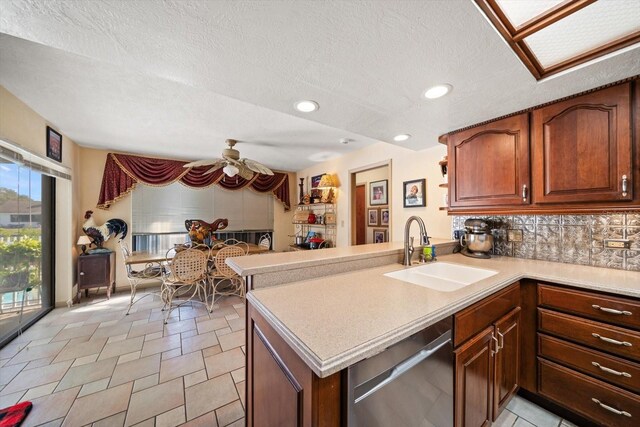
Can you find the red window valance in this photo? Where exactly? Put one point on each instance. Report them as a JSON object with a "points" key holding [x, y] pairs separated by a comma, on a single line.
{"points": [[122, 172]]}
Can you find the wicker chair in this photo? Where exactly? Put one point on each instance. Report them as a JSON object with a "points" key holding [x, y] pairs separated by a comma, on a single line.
{"points": [[151, 271], [184, 275], [235, 242], [224, 280], [265, 241]]}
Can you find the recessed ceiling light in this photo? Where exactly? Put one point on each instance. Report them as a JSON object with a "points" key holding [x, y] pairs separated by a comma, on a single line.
{"points": [[401, 137], [437, 91], [306, 106]]}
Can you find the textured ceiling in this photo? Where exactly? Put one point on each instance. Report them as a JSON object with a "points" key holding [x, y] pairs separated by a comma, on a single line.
{"points": [[178, 77]]}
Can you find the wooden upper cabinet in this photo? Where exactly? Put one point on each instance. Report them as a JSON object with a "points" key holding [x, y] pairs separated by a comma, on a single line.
{"points": [[489, 164], [581, 148]]}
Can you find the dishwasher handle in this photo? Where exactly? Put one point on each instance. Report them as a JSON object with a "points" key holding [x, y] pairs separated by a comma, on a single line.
{"points": [[369, 387]]}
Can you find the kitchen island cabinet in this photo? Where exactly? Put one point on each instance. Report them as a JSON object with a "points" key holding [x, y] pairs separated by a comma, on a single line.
{"points": [[281, 389], [303, 336]]}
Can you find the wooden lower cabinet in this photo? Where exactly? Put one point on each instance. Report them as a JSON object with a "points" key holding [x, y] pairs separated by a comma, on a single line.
{"points": [[487, 366], [507, 369], [474, 366], [587, 366], [281, 389], [598, 401]]}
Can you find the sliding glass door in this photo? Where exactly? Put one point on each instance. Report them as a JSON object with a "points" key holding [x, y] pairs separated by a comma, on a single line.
{"points": [[26, 246]]}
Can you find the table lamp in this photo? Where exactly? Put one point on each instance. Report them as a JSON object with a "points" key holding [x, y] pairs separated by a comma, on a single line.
{"points": [[326, 183], [84, 241]]}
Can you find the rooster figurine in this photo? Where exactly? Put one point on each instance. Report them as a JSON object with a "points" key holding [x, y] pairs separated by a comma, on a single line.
{"points": [[101, 233]]}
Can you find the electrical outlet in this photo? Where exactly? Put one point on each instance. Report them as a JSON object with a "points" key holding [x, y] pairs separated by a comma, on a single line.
{"points": [[617, 243], [514, 235]]}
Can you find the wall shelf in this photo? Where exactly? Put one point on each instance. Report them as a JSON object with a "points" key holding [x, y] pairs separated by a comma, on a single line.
{"points": [[326, 231]]}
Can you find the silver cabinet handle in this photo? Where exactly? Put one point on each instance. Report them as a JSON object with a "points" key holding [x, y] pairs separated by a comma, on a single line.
{"points": [[501, 338], [82, 273], [611, 371], [493, 337], [610, 409], [625, 184], [611, 340], [611, 310], [525, 191]]}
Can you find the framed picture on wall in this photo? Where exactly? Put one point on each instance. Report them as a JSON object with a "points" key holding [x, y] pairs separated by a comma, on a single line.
{"points": [[315, 181], [380, 235], [372, 217], [414, 193], [384, 217], [378, 193], [54, 145]]}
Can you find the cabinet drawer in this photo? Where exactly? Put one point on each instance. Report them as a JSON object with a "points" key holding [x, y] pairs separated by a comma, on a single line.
{"points": [[618, 311], [592, 398], [475, 318], [611, 339], [620, 372]]}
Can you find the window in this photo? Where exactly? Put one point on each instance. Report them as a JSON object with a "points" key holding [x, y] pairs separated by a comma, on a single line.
{"points": [[550, 36], [159, 213]]}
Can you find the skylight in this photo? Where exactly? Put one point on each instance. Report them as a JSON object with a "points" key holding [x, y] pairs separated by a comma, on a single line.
{"points": [[550, 36]]}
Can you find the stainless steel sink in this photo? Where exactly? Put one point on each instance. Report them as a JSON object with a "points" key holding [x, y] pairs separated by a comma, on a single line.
{"points": [[442, 276]]}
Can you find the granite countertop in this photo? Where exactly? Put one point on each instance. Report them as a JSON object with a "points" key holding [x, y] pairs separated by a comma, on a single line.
{"points": [[281, 261], [335, 321]]}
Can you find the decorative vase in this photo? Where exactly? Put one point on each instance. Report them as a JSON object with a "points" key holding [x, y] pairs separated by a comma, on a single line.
{"points": [[312, 218]]}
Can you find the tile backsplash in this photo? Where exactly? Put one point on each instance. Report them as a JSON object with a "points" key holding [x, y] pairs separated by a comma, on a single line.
{"points": [[573, 239]]}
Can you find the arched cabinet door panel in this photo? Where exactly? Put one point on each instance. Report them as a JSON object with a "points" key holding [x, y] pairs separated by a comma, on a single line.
{"points": [[582, 148], [489, 164]]}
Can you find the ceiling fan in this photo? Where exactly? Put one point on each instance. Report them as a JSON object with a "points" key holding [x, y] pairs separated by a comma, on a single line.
{"points": [[232, 164]]}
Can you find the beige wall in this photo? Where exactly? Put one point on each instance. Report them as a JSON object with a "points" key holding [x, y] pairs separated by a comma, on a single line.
{"points": [[22, 126], [365, 177], [406, 165], [89, 174]]}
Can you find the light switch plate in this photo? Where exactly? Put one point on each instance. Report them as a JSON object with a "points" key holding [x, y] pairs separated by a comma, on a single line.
{"points": [[617, 243], [514, 235]]}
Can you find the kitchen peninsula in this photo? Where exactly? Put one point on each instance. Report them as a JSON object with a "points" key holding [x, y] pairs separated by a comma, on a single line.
{"points": [[301, 336]]}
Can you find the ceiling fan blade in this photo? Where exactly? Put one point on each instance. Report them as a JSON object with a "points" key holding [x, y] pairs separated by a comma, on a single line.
{"points": [[245, 172], [206, 162], [257, 167], [215, 168]]}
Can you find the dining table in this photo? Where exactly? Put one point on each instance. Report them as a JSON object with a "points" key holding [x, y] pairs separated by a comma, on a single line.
{"points": [[144, 257]]}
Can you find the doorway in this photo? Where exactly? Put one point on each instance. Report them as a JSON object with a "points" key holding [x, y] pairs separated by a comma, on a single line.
{"points": [[370, 204], [361, 214]]}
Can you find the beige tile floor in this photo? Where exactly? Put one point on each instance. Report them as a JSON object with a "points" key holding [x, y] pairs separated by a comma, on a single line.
{"points": [[92, 365]]}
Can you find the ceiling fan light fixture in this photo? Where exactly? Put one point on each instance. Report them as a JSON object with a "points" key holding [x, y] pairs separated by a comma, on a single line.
{"points": [[230, 170], [437, 91], [306, 106]]}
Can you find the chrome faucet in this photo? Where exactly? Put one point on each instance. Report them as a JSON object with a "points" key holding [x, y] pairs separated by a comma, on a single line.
{"points": [[408, 243]]}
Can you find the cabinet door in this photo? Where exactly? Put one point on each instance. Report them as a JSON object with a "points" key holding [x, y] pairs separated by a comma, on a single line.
{"points": [[93, 270], [507, 360], [582, 148], [474, 381], [489, 165]]}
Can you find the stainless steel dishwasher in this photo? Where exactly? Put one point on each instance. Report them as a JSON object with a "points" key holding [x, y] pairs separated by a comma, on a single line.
{"points": [[410, 384]]}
